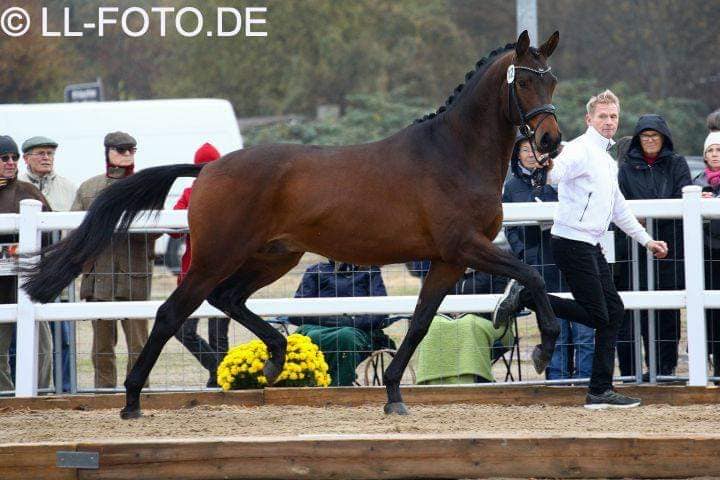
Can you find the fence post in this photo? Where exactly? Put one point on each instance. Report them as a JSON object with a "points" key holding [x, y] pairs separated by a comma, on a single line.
{"points": [[26, 378], [694, 285]]}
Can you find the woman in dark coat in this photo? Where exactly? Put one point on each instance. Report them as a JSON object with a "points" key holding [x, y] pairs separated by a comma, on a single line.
{"points": [[651, 169]]}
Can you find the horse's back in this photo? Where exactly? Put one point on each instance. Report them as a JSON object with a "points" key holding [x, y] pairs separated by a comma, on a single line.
{"points": [[344, 201]]}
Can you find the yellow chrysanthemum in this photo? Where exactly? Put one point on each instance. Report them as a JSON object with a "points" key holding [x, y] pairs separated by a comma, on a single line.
{"points": [[305, 365]]}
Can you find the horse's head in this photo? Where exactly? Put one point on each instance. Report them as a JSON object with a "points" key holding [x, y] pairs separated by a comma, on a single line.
{"points": [[530, 87]]}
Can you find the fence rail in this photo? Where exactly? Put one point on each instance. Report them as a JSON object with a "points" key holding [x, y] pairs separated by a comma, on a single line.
{"points": [[31, 222]]}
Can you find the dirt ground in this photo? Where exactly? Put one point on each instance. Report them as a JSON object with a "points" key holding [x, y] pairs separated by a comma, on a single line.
{"points": [[206, 421]]}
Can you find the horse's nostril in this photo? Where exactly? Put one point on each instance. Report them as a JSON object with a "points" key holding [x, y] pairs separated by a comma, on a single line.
{"points": [[545, 140]]}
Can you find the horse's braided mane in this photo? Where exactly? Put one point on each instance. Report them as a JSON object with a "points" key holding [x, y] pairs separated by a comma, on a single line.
{"points": [[480, 68]]}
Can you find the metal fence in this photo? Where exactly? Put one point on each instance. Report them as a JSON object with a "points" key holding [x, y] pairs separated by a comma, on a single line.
{"points": [[30, 223]]}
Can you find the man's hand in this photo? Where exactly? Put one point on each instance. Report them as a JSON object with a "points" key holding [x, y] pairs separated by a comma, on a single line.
{"points": [[658, 248]]}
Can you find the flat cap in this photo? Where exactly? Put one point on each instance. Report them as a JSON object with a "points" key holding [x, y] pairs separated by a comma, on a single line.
{"points": [[119, 139], [39, 141]]}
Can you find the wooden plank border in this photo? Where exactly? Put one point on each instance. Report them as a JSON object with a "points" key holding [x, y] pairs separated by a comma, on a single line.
{"points": [[354, 396], [380, 456]]}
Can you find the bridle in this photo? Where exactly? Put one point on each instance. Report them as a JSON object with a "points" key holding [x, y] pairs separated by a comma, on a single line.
{"points": [[539, 176], [548, 109]]}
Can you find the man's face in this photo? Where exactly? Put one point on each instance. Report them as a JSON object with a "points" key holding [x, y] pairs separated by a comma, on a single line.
{"points": [[8, 163], [604, 119], [40, 160], [122, 156]]}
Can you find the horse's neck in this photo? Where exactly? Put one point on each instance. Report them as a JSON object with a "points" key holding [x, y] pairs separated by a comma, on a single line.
{"points": [[482, 124]]}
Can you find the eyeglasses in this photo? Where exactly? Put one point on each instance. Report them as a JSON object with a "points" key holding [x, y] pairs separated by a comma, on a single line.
{"points": [[43, 153], [652, 136], [9, 156], [124, 150]]}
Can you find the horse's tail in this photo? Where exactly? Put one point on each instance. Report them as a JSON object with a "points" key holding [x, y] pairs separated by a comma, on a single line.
{"points": [[115, 207]]}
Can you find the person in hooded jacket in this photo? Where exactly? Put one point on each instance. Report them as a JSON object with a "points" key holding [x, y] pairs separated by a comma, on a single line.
{"points": [[531, 244], [210, 353], [651, 169], [345, 340]]}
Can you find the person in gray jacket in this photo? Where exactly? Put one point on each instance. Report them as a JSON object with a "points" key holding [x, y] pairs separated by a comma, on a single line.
{"points": [[39, 156]]}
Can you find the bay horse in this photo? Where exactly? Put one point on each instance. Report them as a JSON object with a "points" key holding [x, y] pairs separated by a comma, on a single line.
{"points": [[431, 191]]}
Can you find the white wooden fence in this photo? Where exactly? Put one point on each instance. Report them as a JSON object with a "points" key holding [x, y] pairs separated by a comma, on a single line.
{"points": [[31, 222]]}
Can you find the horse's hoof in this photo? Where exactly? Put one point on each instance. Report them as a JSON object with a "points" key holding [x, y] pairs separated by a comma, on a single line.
{"points": [[540, 360], [508, 305], [130, 413], [396, 408], [271, 371]]}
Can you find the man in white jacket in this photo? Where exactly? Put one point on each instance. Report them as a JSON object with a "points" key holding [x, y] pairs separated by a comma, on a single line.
{"points": [[589, 199]]}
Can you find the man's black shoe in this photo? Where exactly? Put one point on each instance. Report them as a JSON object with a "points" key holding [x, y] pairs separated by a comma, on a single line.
{"points": [[508, 305], [610, 399]]}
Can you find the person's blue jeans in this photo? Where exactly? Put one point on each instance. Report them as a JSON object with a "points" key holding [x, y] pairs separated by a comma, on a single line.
{"points": [[581, 339], [65, 352]]}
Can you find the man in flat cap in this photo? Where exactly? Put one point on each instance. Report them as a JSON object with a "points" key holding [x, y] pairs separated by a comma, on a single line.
{"points": [[39, 156], [122, 272], [12, 191]]}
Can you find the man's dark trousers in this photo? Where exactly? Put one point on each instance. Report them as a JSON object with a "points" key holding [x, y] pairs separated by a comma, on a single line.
{"points": [[597, 303]]}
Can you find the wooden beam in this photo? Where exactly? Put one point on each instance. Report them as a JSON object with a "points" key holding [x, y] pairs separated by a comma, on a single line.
{"points": [[151, 401], [29, 461], [498, 395], [383, 457], [354, 396]]}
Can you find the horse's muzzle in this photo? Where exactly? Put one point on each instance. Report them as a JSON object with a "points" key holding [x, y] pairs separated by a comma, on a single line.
{"points": [[548, 144]]}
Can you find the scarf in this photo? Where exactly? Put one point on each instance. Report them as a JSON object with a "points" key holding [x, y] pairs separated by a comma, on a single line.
{"points": [[112, 171], [713, 178], [4, 182]]}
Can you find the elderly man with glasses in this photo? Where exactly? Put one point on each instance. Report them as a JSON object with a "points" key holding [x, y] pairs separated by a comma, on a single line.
{"points": [[12, 191], [39, 156], [122, 272]]}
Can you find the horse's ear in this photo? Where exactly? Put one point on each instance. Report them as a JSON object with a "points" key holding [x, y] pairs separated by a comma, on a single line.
{"points": [[548, 47], [522, 45]]}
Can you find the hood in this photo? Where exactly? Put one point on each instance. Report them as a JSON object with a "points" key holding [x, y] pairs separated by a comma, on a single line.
{"points": [[515, 159], [651, 122], [206, 153]]}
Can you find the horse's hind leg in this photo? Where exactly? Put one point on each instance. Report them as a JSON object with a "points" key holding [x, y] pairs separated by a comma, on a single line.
{"points": [[230, 297], [439, 281], [170, 316]]}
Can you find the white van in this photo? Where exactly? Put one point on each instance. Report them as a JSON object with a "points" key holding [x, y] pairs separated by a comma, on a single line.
{"points": [[167, 132]]}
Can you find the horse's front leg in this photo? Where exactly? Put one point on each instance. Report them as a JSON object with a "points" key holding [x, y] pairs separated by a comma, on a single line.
{"points": [[481, 254], [440, 279]]}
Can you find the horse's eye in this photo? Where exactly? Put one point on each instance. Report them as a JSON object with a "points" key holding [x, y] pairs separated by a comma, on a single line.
{"points": [[522, 83]]}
